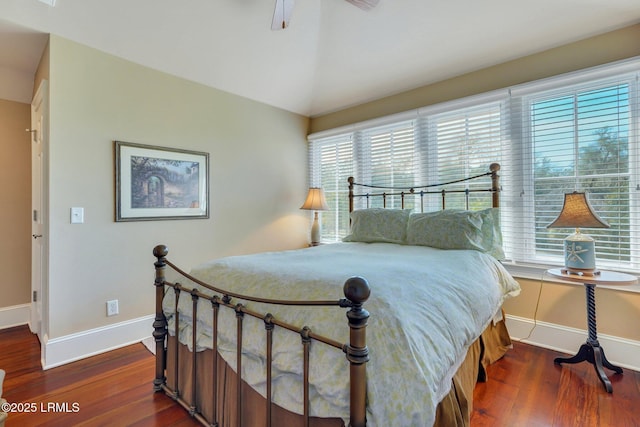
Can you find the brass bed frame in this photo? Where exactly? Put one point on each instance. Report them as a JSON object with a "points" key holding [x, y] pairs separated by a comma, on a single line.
{"points": [[356, 292]]}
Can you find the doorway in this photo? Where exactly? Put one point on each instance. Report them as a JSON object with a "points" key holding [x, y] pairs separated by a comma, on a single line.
{"points": [[39, 224]]}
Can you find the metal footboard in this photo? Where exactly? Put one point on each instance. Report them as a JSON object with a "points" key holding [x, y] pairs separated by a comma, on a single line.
{"points": [[356, 292]]}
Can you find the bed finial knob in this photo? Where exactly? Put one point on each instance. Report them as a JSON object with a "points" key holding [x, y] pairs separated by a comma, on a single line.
{"points": [[357, 289], [494, 167], [160, 251]]}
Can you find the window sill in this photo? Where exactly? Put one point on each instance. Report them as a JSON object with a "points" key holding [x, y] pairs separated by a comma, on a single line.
{"points": [[538, 272]]}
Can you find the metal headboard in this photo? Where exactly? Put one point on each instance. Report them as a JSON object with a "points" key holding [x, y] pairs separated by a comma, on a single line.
{"points": [[423, 190]]}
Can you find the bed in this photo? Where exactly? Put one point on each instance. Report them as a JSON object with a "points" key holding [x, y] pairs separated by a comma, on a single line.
{"points": [[263, 340]]}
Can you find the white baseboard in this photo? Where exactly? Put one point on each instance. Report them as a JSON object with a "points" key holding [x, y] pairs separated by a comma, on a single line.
{"points": [[15, 315], [59, 351], [619, 351], [62, 350]]}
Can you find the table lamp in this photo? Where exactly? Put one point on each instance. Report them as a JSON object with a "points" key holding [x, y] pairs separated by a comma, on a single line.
{"points": [[315, 202], [579, 249]]}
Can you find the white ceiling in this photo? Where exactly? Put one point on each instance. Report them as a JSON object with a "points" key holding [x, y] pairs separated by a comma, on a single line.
{"points": [[332, 56]]}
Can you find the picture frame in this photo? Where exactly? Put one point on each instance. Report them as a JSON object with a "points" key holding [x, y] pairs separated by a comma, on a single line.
{"points": [[160, 183]]}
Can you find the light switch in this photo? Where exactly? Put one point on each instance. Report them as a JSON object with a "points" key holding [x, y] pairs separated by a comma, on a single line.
{"points": [[77, 215]]}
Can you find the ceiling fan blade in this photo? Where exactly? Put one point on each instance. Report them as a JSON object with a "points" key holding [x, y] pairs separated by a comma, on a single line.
{"points": [[364, 4], [281, 14]]}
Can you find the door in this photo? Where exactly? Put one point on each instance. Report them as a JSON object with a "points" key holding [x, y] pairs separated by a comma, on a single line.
{"points": [[39, 135]]}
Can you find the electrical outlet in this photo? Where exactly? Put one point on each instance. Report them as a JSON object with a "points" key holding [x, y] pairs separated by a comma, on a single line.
{"points": [[112, 307]]}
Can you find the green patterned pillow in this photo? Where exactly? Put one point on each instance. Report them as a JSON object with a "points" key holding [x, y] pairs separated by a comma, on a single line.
{"points": [[378, 225], [458, 229]]}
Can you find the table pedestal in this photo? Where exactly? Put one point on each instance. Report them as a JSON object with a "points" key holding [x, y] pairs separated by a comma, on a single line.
{"points": [[591, 350]]}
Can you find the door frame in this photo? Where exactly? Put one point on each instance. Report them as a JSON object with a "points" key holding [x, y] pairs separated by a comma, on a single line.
{"points": [[40, 220]]}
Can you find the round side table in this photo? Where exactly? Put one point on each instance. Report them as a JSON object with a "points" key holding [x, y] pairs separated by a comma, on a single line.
{"points": [[591, 350]]}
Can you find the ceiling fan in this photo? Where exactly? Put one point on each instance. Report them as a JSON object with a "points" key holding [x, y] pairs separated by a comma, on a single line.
{"points": [[282, 11]]}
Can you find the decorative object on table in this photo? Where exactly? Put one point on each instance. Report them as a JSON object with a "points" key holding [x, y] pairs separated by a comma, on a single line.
{"points": [[579, 248], [154, 183], [315, 202]]}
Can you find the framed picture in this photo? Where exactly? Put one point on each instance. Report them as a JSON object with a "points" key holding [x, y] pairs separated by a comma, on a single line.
{"points": [[155, 183]]}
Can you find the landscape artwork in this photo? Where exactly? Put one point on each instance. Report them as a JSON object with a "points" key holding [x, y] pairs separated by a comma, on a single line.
{"points": [[163, 183], [160, 183]]}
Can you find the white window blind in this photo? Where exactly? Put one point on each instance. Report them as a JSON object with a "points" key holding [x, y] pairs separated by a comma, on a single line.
{"points": [[388, 159], [580, 137], [464, 143], [574, 132], [331, 163]]}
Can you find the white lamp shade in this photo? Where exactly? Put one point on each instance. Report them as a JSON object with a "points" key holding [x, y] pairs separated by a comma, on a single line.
{"points": [[315, 200]]}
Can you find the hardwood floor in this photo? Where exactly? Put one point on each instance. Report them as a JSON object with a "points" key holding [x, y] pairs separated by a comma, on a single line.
{"points": [[111, 389], [525, 388]]}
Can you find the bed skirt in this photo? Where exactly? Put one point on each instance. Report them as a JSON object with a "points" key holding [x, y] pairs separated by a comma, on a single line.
{"points": [[454, 410]]}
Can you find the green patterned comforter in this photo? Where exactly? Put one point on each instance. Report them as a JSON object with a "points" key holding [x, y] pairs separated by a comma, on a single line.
{"points": [[427, 306]]}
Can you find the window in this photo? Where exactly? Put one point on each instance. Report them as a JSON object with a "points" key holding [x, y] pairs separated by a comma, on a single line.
{"points": [[575, 132], [464, 143], [389, 158], [332, 160], [580, 139]]}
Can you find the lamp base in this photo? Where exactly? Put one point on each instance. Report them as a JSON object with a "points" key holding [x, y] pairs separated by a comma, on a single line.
{"points": [[579, 253], [585, 272], [315, 230]]}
